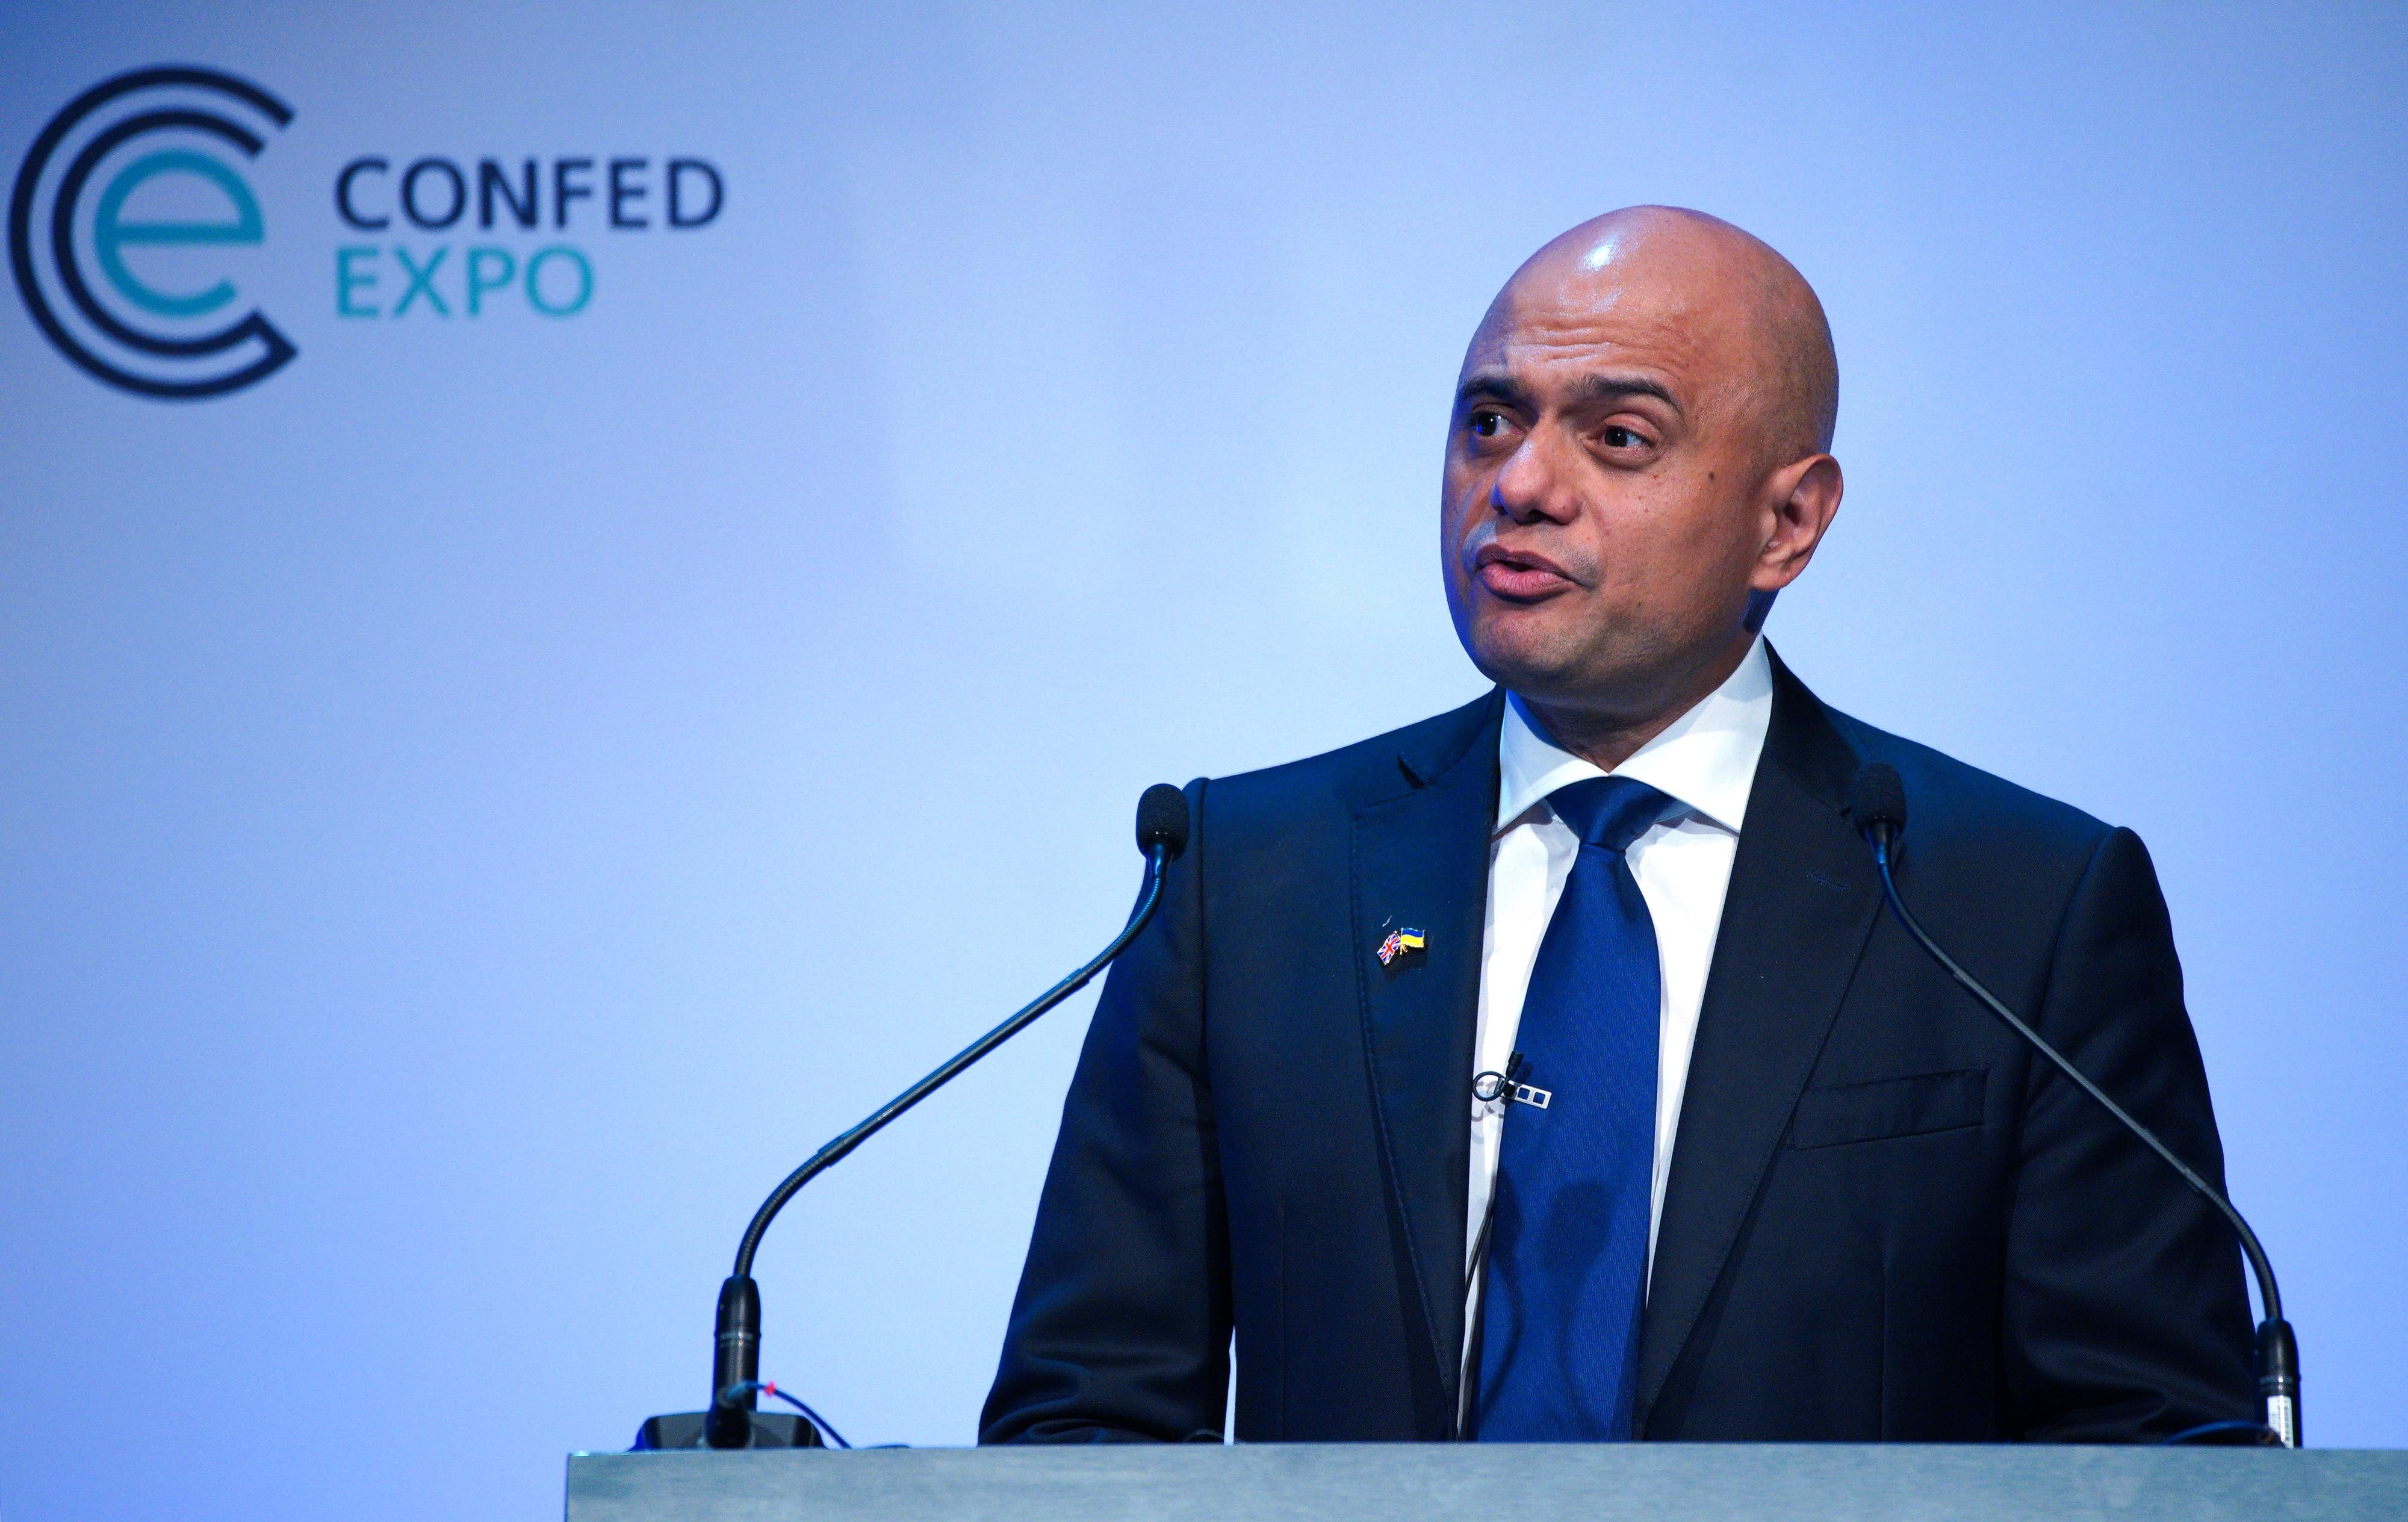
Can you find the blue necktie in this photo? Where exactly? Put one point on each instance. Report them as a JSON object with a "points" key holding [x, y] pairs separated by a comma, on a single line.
{"points": [[1567, 1271]]}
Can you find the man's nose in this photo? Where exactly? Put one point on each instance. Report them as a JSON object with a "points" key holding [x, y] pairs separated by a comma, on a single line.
{"points": [[1532, 484]]}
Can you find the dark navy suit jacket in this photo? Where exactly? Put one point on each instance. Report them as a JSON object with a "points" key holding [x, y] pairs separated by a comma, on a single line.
{"points": [[1885, 1218]]}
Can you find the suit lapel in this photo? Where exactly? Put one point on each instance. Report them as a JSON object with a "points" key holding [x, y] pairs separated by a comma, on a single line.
{"points": [[1801, 903], [1420, 861]]}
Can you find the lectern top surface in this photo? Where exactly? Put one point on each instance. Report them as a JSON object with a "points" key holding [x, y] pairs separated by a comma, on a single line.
{"points": [[1434, 1483]]}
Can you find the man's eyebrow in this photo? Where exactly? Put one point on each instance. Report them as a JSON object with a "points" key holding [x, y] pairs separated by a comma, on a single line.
{"points": [[1614, 388], [1491, 386], [1496, 386]]}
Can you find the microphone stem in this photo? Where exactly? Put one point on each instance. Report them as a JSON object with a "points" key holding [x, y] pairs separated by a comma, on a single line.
{"points": [[736, 1356], [2278, 1379], [837, 1151]]}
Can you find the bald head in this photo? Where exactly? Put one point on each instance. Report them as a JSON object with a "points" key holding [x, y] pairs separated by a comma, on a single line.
{"points": [[1637, 464], [1745, 305]]}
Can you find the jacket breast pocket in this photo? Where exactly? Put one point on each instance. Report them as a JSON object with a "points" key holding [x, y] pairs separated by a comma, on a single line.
{"points": [[1918, 1105]]}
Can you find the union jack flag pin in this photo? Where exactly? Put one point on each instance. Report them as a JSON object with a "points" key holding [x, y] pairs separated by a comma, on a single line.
{"points": [[1399, 942]]}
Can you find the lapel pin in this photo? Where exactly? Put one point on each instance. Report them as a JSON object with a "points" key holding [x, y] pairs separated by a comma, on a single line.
{"points": [[1399, 942]]}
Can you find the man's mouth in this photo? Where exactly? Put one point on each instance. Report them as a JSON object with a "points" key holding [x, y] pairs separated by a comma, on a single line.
{"points": [[1518, 575]]}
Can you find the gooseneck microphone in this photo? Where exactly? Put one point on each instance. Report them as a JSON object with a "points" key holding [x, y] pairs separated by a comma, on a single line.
{"points": [[734, 1368], [1877, 803]]}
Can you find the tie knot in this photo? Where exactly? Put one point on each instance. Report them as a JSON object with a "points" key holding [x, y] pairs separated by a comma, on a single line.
{"points": [[1609, 811]]}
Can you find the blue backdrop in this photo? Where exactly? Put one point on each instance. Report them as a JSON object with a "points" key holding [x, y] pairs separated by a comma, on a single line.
{"points": [[479, 802]]}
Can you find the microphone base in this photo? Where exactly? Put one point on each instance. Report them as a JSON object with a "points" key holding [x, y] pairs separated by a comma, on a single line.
{"points": [[771, 1429]]}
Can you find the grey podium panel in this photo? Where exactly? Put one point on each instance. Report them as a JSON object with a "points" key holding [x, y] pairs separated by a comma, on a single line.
{"points": [[1432, 1483]]}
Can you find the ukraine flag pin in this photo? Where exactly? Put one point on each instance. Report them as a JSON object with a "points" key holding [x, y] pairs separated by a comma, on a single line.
{"points": [[1399, 942]]}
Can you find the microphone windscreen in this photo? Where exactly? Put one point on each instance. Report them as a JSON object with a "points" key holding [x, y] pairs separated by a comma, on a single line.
{"points": [[1162, 819], [1877, 797]]}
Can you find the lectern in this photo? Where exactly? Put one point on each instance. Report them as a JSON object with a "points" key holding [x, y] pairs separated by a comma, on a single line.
{"points": [[1512, 1482]]}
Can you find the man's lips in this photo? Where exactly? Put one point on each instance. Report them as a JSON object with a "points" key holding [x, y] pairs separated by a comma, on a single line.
{"points": [[1518, 575]]}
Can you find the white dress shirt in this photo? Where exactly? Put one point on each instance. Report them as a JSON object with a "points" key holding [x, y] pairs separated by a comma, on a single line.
{"points": [[1705, 760]]}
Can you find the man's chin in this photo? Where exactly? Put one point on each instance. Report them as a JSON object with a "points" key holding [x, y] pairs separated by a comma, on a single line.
{"points": [[1522, 660]]}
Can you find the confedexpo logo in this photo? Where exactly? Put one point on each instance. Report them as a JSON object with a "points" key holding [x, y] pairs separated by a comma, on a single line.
{"points": [[138, 284], [528, 195], [172, 141]]}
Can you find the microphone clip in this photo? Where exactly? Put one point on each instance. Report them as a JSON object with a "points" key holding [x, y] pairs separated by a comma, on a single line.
{"points": [[1491, 1087]]}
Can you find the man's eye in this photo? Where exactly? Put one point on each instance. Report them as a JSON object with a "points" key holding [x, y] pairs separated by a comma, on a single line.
{"points": [[1618, 438], [1487, 422]]}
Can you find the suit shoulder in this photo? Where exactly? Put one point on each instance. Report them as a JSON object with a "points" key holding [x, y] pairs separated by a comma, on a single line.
{"points": [[1367, 770], [1947, 798]]}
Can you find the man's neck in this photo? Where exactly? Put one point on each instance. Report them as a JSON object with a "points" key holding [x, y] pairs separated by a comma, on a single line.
{"points": [[1605, 736]]}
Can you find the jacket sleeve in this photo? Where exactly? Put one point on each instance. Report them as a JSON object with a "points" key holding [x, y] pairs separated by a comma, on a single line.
{"points": [[1120, 1331], [2124, 1316]]}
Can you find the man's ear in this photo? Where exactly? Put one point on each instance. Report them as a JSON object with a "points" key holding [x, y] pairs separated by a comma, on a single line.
{"points": [[1801, 500]]}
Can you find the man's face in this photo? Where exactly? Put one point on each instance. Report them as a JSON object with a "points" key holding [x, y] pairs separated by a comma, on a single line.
{"points": [[1601, 518]]}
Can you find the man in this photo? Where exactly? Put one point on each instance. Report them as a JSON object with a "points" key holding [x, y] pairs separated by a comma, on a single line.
{"points": [[1762, 1171]]}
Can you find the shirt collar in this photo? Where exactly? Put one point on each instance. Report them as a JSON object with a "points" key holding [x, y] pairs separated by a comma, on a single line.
{"points": [[1706, 758]]}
